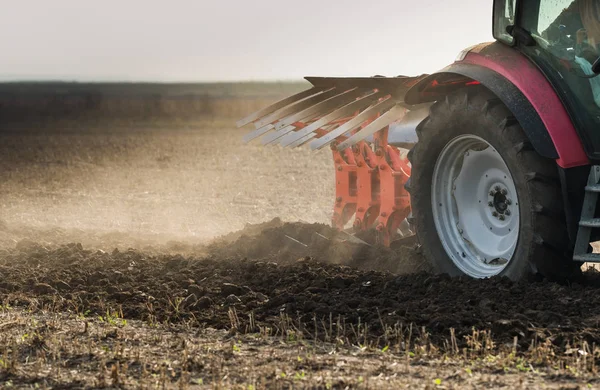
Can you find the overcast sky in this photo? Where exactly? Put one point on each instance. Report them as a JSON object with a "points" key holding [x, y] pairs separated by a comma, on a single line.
{"points": [[210, 40]]}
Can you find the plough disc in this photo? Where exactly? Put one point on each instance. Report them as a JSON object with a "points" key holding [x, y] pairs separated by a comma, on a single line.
{"points": [[352, 116]]}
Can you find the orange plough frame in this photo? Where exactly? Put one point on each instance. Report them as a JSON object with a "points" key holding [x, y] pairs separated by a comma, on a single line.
{"points": [[352, 116], [369, 185]]}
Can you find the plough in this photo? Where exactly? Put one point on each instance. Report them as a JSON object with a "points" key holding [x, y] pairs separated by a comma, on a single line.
{"points": [[355, 118]]}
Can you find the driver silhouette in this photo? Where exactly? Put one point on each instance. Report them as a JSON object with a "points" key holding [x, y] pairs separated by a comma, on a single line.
{"points": [[589, 11]]}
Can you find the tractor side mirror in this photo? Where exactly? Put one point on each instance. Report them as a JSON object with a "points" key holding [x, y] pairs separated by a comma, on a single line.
{"points": [[596, 66]]}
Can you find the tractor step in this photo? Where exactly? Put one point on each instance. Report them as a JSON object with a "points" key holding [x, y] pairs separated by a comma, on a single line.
{"points": [[588, 258], [590, 223], [593, 188], [587, 221]]}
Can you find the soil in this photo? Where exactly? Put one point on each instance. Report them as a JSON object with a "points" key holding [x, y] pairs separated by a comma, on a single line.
{"points": [[266, 276], [259, 284], [128, 253]]}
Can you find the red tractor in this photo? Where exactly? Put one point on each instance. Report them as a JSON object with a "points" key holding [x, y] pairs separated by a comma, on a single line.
{"points": [[494, 161]]}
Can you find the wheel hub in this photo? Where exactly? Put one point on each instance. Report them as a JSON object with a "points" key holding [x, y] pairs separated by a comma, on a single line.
{"points": [[499, 202], [475, 206]]}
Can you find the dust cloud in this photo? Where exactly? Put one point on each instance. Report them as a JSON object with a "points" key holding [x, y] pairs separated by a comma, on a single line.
{"points": [[129, 186]]}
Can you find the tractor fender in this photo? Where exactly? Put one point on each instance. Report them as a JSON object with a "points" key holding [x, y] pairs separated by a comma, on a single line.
{"points": [[521, 86], [459, 75]]}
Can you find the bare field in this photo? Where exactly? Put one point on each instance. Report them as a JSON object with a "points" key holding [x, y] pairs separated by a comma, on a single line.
{"points": [[197, 181], [158, 255]]}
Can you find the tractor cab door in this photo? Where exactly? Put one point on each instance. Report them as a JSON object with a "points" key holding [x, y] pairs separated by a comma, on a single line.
{"points": [[562, 37]]}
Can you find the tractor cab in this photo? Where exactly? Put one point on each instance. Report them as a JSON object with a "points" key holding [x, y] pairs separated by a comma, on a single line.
{"points": [[562, 38]]}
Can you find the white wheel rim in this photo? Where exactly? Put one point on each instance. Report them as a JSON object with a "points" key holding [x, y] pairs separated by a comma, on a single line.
{"points": [[475, 206]]}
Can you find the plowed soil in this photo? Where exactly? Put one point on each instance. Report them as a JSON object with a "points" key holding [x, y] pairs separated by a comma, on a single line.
{"points": [[277, 303], [148, 287]]}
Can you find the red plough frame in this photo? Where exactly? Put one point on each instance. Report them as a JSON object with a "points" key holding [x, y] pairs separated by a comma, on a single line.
{"points": [[342, 113], [370, 187]]}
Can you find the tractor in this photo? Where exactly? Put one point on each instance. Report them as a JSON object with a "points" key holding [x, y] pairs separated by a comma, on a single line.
{"points": [[491, 164]]}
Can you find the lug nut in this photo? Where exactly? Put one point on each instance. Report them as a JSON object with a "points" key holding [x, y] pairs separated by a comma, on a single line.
{"points": [[502, 218], [497, 188], [491, 193], [507, 212], [508, 201], [495, 214], [491, 204], [504, 192]]}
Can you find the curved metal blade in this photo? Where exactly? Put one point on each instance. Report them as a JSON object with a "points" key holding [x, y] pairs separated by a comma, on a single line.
{"points": [[296, 107], [328, 138], [348, 109], [276, 106], [333, 98], [301, 141], [318, 109], [269, 121], [395, 113]]}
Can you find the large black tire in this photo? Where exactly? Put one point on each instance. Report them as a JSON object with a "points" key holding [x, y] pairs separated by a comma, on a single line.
{"points": [[543, 245]]}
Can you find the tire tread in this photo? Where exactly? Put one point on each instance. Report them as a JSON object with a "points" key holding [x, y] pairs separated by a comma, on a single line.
{"points": [[551, 248]]}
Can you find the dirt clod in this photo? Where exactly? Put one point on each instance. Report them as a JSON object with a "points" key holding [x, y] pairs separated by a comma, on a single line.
{"points": [[204, 303], [232, 300], [196, 290], [189, 300], [62, 286], [232, 289], [43, 288]]}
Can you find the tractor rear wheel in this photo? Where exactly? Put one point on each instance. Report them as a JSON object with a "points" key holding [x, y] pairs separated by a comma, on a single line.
{"points": [[484, 202]]}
